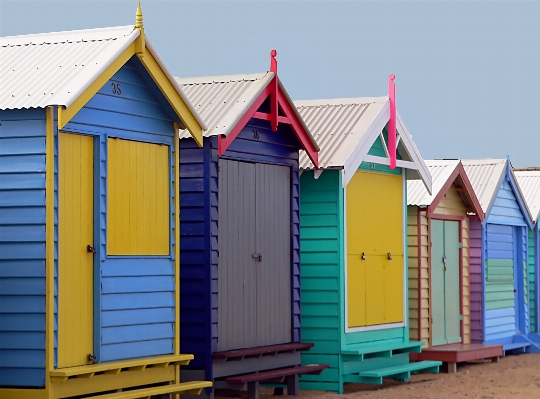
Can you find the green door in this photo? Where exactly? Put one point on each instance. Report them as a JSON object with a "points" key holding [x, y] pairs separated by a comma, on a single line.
{"points": [[446, 314]]}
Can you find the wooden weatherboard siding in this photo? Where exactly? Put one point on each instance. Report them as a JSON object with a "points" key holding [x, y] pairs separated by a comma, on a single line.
{"points": [[532, 236], [450, 205], [476, 276], [419, 325], [22, 248], [321, 223], [505, 254], [134, 295], [199, 242]]}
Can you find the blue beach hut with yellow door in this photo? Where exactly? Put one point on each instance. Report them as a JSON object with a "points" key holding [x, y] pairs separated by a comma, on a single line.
{"points": [[89, 254], [353, 244]]}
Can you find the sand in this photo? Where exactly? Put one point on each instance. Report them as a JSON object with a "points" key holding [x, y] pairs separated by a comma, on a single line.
{"points": [[513, 377]]}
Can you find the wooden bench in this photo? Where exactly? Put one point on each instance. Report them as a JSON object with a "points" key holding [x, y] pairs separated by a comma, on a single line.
{"points": [[289, 375], [185, 388]]}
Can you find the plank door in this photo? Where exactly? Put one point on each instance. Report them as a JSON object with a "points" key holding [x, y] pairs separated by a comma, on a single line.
{"points": [[254, 219], [374, 218], [273, 210], [446, 313], [75, 263]]}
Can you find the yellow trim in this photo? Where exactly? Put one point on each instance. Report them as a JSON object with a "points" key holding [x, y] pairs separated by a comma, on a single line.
{"points": [[173, 97], [65, 115], [49, 244], [23, 393], [186, 388], [140, 44]]}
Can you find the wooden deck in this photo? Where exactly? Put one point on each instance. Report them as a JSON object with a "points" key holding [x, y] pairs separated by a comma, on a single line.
{"points": [[454, 354]]}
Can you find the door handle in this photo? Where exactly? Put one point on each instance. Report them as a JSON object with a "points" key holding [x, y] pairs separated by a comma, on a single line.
{"points": [[90, 249], [257, 256]]}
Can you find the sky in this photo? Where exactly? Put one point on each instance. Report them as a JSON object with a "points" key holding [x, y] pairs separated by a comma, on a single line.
{"points": [[466, 71]]}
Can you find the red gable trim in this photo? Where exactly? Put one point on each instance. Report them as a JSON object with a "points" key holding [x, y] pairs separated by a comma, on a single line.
{"points": [[290, 118], [459, 172]]}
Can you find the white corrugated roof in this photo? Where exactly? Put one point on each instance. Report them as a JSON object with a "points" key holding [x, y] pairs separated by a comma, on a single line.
{"points": [[338, 125], [485, 176], [529, 183], [55, 68], [223, 100], [440, 171], [346, 128]]}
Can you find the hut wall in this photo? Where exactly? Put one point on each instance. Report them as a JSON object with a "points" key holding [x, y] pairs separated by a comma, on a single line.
{"points": [[531, 279], [22, 248], [135, 294], [321, 224], [502, 257], [418, 315], [475, 258]]}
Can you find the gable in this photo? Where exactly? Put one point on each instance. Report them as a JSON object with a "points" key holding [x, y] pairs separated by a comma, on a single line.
{"points": [[130, 100], [378, 149], [451, 203], [506, 208]]}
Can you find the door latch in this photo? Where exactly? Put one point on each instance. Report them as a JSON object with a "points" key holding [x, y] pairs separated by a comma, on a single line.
{"points": [[444, 259], [90, 249], [91, 358], [257, 256], [363, 256], [389, 256]]}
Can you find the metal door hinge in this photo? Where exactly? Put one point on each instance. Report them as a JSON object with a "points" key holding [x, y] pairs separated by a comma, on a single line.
{"points": [[257, 256]]}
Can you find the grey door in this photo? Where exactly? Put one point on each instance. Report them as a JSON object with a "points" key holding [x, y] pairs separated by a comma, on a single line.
{"points": [[254, 273]]}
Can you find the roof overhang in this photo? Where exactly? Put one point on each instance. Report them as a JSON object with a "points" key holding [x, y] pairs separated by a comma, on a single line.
{"points": [[411, 160]]}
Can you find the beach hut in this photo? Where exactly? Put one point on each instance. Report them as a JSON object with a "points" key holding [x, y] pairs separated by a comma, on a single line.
{"points": [[528, 180], [353, 244], [89, 232], [240, 277], [438, 240], [498, 257]]}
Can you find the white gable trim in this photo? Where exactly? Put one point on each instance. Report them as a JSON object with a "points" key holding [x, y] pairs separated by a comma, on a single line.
{"points": [[360, 152]]}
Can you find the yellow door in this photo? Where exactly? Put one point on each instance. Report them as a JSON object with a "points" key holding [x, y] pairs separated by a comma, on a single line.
{"points": [[374, 206], [75, 262]]}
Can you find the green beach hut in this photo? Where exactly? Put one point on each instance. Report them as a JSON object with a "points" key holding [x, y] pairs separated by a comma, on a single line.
{"points": [[353, 244]]}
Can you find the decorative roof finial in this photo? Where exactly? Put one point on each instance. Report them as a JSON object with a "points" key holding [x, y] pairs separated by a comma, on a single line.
{"points": [[138, 16], [273, 61]]}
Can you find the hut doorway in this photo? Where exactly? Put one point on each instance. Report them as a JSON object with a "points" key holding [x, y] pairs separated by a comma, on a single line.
{"points": [[446, 316], [75, 260], [254, 273]]}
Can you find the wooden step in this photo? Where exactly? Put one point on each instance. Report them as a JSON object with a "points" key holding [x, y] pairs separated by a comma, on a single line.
{"points": [[515, 345], [185, 388], [385, 350], [62, 375], [428, 366], [279, 373], [263, 350]]}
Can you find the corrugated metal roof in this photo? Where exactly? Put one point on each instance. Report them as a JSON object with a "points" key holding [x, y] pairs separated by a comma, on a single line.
{"points": [[54, 68], [223, 100], [440, 171], [529, 183], [485, 176], [337, 125]]}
